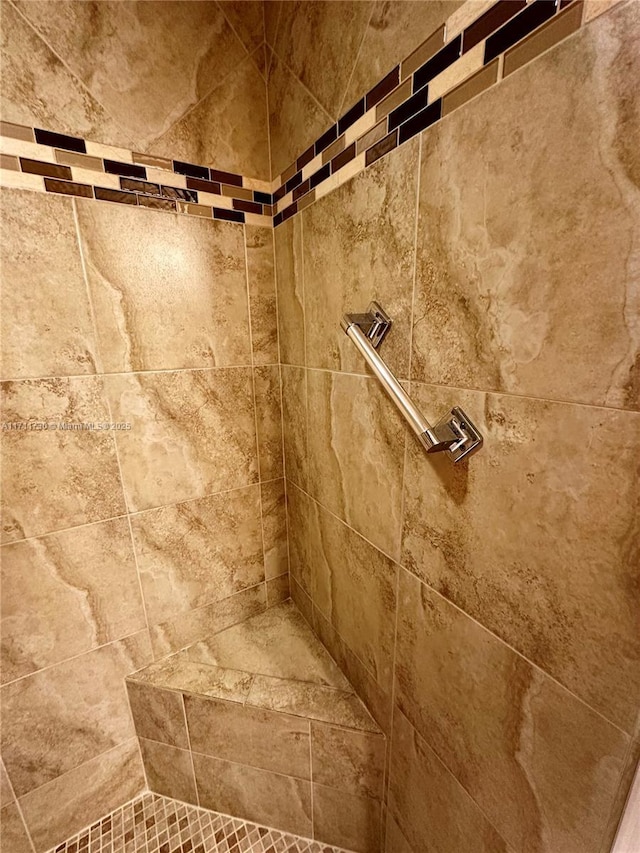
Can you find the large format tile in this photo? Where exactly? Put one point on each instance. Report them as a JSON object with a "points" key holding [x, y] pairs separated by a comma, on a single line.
{"points": [[178, 673], [64, 806], [193, 433], [67, 593], [294, 424], [39, 89], [194, 553], [541, 765], [253, 794], [57, 478], [46, 318], [290, 289], [432, 811], [262, 293], [56, 719], [346, 820], [542, 303], [265, 739], [13, 835], [268, 397], [351, 583], [359, 246], [274, 529], [348, 761], [169, 771], [167, 291], [247, 19], [356, 455], [158, 714], [149, 62], [537, 536]]}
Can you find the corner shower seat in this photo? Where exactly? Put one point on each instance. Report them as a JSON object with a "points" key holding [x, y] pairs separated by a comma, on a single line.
{"points": [[258, 721]]}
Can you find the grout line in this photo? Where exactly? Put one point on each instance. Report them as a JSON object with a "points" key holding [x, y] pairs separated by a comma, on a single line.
{"points": [[143, 372], [365, 31], [193, 766]]}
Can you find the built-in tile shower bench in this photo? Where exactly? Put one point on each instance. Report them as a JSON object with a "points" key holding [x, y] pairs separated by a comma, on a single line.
{"points": [[258, 721]]}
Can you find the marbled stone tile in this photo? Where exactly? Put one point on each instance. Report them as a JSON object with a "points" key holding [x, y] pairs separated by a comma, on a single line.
{"points": [[320, 42], [393, 32], [431, 809], [346, 760], [247, 19], [253, 794], [227, 129], [58, 478], [252, 736], [351, 583], [272, 12], [296, 119], [149, 63], [278, 590], [195, 553], [181, 674], [193, 625], [64, 806], [542, 303], [167, 291], [537, 536], [301, 600], [277, 642], [356, 455], [346, 820], [290, 287], [359, 247], [395, 842], [6, 792], [269, 420], [46, 318], [262, 294], [13, 834], [38, 88], [56, 719], [274, 529], [193, 434], [157, 714], [67, 593], [169, 771], [541, 765], [294, 423]]}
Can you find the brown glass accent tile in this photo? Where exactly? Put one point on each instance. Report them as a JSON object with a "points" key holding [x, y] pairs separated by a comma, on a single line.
{"points": [[288, 212], [83, 161], [371, 137], [383, 88], [334, 149], [305, 158], [130, 170], [191, 169], [321, 175], [179, 194], [351, 116], [139, 186], [38, 167], [68, 188], [262, 198], [531, 17], [409, 108], [308, 199], [9, 162], [437, 64], [202, 210], [381, 148], [480, 81], [327, 138], [203, 186], [16, 131], [237, 192], [421, 54], [289, 172], [342, 159], [293, 182], [269, 209], [224, 177], [153, 162], [301, 190], [551, 33], [393, 100], [247, 206], [492, 20], [280, 193], [420, 121], [118, 196], [60, 140]]}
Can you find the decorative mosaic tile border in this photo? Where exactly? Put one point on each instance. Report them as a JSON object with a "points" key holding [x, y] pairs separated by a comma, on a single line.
{"points": [[155, 824], [480, 44]]}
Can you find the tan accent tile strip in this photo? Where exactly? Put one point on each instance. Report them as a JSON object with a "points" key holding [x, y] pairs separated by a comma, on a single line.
{"points": [[70, 158], [371, 137], [465, 15], [394, 99], [154, 162], [451, 77], [237, 192], [421, 54], [109, 152], [361, 126], [17, 131], [551, 33], [288, 173], [470, 88], [7, 161], [306, 200], [195, 209], [21, 180]]}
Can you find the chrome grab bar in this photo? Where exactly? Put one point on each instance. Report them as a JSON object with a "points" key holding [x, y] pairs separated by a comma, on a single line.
{"points": [[454, 433]]}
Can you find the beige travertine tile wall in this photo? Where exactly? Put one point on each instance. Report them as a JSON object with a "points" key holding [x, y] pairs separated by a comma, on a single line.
{"points": [[487, 613], [181, 79], [120, 546]]}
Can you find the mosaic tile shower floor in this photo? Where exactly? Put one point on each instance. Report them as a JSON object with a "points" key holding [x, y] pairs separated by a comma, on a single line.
{"points": [[155, 824]]}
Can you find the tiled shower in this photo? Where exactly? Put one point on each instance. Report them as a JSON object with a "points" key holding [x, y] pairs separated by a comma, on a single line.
{"points": [[242, 609]]}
